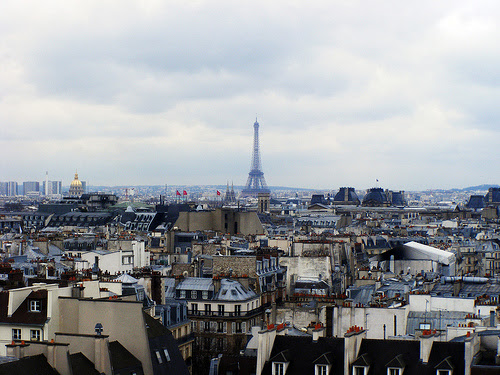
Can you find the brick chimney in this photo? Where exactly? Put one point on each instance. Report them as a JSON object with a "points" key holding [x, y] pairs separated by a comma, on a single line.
{"points": [[318, 331], [426, 338], [352, 343], [265, 346]]}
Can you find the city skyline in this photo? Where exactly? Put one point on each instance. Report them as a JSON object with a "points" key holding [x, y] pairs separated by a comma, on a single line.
{"points": [[166, 92]]}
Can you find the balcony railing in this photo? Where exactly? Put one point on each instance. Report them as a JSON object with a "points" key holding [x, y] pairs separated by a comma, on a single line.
{"points": [[184, 339], [225, 314]]}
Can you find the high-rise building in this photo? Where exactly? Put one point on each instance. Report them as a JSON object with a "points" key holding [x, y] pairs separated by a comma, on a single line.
{"points": [[52, 187], [31, 188], [3, 188], [12, 189]]}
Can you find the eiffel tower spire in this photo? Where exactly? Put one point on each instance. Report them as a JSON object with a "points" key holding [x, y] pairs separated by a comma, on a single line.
{"points": [[256, 183]]}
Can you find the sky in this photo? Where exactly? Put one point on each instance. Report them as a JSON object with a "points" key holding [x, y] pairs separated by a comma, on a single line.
{"points": [[166, 92]]}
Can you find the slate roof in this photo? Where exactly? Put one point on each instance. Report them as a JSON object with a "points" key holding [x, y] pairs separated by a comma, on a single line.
{"points": [[237, 365], [452, 352], [437, 319], [381, 354], [161, 340], [22, 314], [231, 290], [122, 359], [467, 290], [127, 279], [378, 353], [81, 365], [196, 283], [36, 364], [169, 288], [302, 352]]}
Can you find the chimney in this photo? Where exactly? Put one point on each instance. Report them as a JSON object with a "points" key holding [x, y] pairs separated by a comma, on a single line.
{"points": [[472, 342], [426, 338], [318, 331], [101, 352], [497, 358], [457, 286], [217, 284], [352, 343], [281, 329], [265, 345]]}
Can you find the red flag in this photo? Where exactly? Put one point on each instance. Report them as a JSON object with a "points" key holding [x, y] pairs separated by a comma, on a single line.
{"points": [[177, 193], [184, 192], [218, 192]]}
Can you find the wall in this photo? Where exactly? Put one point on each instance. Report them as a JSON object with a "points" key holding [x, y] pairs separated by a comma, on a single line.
{"points": [[370, 318], [240, 265], [247, 222], [122, 321], [307, 267], [425, 302]]}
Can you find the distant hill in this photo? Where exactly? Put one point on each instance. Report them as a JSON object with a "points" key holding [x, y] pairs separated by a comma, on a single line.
{"points": [[479, 187]]}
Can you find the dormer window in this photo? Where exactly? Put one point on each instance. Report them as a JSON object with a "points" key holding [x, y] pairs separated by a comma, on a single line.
{"points": [[35, 305], [445, 367], [279, 368], [322, 370], [280, 362], [394, 371], [359, 370]]}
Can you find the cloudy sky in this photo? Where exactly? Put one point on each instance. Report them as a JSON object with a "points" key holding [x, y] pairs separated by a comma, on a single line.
{"points": [[166, 92]]}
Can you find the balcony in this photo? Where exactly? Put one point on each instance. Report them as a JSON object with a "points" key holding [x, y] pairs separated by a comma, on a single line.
{"points": [[185, 339], [225, 314]]}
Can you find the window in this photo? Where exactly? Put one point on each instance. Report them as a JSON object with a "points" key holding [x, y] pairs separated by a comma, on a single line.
{"points": [[278, 368], [206, 326], [128, 259], [182, 294], [238, 327], [35, 335], [207, 343], [205, 294], [393, 371], [35, 305], [220, 344], [194, 294], [237, 310], [321, 370], [221, 310], [16, 334], [167, 356], [358, 370], [194, 308], [425, 325], [158, 356], [221, 327], [443, 372], [208, 309]]}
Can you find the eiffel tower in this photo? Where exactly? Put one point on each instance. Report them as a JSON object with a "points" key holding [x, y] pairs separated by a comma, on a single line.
{"points": [[256, 182]]}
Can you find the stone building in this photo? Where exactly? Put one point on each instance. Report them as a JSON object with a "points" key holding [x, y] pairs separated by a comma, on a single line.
{"points": [[222, 312], [76, 187]]}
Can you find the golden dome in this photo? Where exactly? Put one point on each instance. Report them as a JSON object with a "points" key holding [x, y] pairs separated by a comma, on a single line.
{"points": [[76, 183]]}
